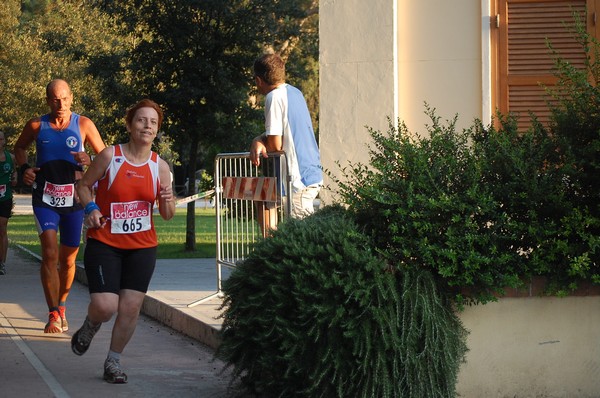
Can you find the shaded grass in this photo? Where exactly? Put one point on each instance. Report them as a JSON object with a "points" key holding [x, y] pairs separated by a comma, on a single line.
{"points": [[171, 235]]}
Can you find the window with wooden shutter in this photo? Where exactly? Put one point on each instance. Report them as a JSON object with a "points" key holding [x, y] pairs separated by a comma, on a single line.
{"points": [[524, 63]]}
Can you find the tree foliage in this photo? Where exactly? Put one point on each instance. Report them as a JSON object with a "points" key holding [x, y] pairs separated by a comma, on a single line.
{"points": [[44, 45], [193, 57], [20, 72]]}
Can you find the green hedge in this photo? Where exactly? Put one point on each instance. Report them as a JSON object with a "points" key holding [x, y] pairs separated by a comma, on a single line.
{"points": [[490, 207], [483, 209], [314, 312]]}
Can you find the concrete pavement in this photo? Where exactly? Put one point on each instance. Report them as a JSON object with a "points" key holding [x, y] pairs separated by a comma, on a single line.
{"points": [[175, 284], [159, 361]]}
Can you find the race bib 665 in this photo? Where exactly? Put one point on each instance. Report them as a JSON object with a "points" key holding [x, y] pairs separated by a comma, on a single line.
{"points": [[130, 217]]}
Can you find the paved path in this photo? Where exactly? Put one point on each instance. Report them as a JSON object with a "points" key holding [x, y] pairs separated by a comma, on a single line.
{"points": [[175, 285], [170, 355], [159, 361]]}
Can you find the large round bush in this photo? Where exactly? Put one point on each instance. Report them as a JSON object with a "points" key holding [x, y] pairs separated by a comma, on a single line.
{"points": [[314, 312]]}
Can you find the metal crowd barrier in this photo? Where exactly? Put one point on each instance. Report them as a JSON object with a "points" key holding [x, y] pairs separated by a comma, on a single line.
{"points": [[244, 194]]}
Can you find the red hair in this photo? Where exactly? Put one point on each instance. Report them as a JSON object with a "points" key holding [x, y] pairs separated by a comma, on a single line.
{"points": [[145, 103]]}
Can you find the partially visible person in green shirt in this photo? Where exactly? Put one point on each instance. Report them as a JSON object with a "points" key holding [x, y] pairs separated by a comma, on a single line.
{"points": [[8, 179]]}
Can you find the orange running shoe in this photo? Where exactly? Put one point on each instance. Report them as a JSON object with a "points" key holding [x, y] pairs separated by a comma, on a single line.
{"points": [[54, 324], [63, 319]]}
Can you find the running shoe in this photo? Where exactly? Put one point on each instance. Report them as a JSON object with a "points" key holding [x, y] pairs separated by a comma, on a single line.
{"points": [[2, 269], [113, 372], [54, 324], [81, 340], [63, 319]]}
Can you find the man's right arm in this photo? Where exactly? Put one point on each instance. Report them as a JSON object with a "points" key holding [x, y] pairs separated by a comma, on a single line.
{"points": [[263, 144], [27, 137]]}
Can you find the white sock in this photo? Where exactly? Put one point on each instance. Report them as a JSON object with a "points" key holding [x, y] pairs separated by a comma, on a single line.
{"points": [[114, 355]]}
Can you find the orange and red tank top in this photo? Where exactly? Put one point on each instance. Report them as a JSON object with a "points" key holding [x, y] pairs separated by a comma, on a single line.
{"points": [[126, 194]]}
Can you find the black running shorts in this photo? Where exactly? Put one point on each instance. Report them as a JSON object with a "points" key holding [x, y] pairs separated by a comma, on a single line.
{"points": [[110, 269]]}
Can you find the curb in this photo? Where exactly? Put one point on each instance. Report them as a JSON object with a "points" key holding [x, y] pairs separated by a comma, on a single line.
{"points": [[181, 322], [160, 311]]}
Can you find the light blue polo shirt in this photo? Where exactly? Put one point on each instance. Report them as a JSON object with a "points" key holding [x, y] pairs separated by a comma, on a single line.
{"points": [[286, 114]]}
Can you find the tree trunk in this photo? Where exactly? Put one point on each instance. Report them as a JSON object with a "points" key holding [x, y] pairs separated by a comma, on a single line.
{"points": [[190, 225]]}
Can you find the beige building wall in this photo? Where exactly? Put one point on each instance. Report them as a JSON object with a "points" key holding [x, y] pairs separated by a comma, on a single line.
{"points": [[356, 77], [533, 347], [383, 59]]}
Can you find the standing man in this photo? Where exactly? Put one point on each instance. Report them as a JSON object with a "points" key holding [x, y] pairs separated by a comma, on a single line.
{"points": [[8, 179], [60, 137], [288, 128]]}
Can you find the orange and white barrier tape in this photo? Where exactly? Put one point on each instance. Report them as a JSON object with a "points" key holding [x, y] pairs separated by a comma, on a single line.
{"points": [[250, 188]]}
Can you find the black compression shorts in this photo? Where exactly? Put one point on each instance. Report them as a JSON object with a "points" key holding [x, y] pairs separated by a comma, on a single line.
{"points": [[110, 269]]}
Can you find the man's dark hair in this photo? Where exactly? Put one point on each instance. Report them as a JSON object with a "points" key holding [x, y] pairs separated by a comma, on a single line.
{"points": [[270, 68]]}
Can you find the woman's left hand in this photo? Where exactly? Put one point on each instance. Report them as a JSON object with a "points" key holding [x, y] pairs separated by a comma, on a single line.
{"points": [[166, 193]]}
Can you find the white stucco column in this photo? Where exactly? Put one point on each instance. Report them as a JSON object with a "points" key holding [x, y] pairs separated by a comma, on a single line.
{"points": [[357, 77]]}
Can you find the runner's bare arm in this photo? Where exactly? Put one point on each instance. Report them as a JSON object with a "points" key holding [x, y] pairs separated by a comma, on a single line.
{"points": [[86, 184], [27, 137]]}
